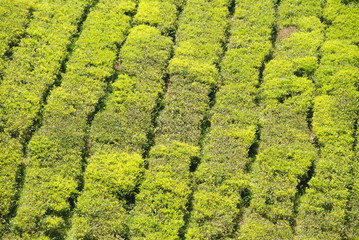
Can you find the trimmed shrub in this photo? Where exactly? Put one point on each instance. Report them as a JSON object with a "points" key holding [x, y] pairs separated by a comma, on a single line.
{"points": [[55, 152]]}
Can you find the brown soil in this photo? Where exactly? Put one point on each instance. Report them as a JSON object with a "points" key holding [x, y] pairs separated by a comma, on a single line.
{"points": [[285, 32], [117, 66]]}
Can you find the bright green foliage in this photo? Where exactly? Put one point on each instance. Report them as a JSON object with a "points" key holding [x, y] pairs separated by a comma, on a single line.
{"points": [[286, 153], [35, 63], [178, 3], [354, 200], [338, 71], [118, 174], [353, 232], [185, 106], [344, 21], [331, 125], [161, 14], [199, 38], [284, 164], [220, 176], [194, 70], [258, 227], [99, 212], [345, 26], [292, 12], [301, 43], [164, 195], [32, 69], [14, 17], [322, 213], [134, 93], [243, 149], [145, 50], [201, 30], [163, 198], [10, 159], [55, 152], [215, 210], [290, 90], [328, 209], [121, 127], [335, 8], [210, 22]]}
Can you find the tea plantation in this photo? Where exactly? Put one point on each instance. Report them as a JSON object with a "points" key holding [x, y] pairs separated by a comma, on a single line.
{"points": [[179, 119]]}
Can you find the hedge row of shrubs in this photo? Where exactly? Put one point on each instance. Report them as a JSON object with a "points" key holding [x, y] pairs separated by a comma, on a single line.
{"points": [[55, 153], [128, 113], [330, 207], [119, 132], [15, 16], [220, 177], [119, 135], [10, 159], [162, 204], [160, 14], [354, 200], [36, 62], [286, 153], [34, 65], [193, 70]]}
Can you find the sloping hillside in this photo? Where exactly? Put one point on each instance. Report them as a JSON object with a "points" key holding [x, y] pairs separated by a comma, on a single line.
{"points": [[179, 119]]}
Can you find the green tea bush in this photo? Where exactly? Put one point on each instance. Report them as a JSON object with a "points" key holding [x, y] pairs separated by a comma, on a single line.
{"points": [[162, 203], [259, 227], [193, 71], [15, 16], [119, 128], [134, 94], [33, 67], [161, 14], [109, 179], [285, 154], [220, 177], [10, 159], [163, 198], [55, 152], [36, 62], [327, 209]]}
